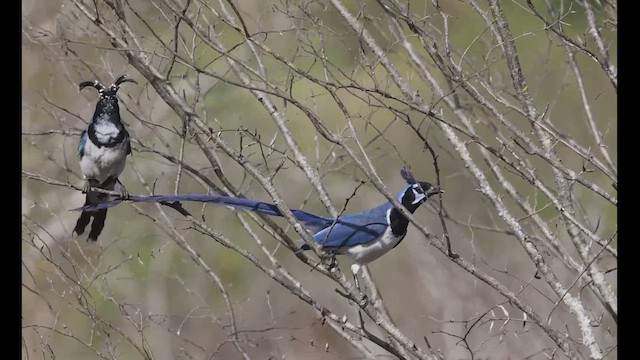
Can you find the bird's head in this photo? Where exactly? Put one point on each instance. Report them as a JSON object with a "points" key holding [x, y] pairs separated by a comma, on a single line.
{"points": [[416, 192], [108, 102]]}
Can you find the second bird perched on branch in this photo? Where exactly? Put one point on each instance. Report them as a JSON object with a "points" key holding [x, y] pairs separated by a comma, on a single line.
{"points": [[363, 236], [103, 151]]}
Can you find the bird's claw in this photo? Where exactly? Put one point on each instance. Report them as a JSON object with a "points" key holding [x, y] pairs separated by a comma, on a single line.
{"points": [[330, 262], [364, 302], [123, 192]]}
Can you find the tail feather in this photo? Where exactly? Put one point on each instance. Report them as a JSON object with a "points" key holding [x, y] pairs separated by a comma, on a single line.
{"points": [[97, 225], [82, 222], [99, 216], [312, 222]]}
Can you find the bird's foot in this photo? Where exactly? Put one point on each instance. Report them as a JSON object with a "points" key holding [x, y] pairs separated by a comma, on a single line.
{"points": [[86, 188], [330, 262], [123, 192]]}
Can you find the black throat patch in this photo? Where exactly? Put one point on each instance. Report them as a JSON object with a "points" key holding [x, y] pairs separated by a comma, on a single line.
{"points": [[398, 223]]}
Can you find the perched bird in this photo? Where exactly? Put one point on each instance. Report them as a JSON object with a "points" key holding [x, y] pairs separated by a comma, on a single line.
{"points": [[103, 151], [363, 236]]}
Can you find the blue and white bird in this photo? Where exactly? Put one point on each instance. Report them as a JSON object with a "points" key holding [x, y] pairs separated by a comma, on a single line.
{"points": [[103, 151], [364, 236]]}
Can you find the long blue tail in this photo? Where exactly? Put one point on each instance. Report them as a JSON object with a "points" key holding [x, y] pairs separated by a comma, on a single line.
{"points": [[310, 220]]}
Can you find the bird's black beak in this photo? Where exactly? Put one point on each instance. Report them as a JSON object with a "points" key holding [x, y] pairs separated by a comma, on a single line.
{"points": [[434, 190]]}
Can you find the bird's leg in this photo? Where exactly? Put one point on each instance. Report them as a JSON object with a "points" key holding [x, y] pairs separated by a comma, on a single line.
{"points": [[87, 186], [365, 298], [355, 269], [123, 190]]}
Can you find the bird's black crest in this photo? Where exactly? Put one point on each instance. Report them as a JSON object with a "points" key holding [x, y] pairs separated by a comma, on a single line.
{"points": [[407, 175]]}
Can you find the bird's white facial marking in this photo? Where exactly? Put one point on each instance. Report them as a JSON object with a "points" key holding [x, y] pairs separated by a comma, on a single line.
{"points": [[418, 195]]}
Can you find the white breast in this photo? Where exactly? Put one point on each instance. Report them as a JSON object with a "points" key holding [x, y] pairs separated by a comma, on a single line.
{"points": [[106, 131], [101, 163], [364, 254]]}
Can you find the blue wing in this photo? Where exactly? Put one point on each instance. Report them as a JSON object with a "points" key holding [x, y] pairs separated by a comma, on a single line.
{"points": [[355, 229], [311, 221], [348, 234], [83, 141]]}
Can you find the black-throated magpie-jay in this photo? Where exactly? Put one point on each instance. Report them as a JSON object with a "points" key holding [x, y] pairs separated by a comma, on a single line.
{"points": [[363, 236], [103, 151]]}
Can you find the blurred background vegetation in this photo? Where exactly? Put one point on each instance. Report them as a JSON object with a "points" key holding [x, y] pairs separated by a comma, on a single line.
{"points": [[138, 294]]}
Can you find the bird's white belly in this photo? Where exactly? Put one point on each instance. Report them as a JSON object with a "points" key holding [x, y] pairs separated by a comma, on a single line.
{"points": [[102, 163], [363, 254]]}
